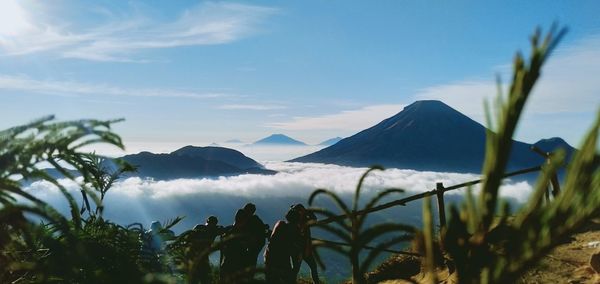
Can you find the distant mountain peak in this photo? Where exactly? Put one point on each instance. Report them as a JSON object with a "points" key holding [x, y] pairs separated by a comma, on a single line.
{"points": [[553, 143], [429, 106], [279, 139], [553, 140], [431, 103]]}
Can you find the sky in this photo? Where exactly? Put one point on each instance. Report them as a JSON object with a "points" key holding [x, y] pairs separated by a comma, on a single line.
{"points": [[197, 72]]}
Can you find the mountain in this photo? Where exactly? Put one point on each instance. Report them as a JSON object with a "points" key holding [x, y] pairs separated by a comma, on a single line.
{"points": [[226, 155], [331, 141], [426, 135], [279, 139], [552, 144], [194, 162]]}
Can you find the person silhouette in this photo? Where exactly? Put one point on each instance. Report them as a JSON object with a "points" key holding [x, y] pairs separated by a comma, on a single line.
{"points": [[202, 239], [306, 251], [282, 250], [256, 233], [234, 249]]}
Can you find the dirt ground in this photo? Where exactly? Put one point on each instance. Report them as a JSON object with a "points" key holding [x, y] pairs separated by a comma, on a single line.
{"points": [[567, 263]]}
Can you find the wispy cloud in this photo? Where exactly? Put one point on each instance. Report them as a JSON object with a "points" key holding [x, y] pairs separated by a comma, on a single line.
{"points": [[53, 87], [251, 107], [357, 119], [569, 83], [208, 23]]}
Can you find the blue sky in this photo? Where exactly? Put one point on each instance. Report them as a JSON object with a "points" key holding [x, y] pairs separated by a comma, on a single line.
{"points": [[194, 72]]}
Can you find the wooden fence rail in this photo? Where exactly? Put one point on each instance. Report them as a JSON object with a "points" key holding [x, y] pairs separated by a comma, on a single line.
{"points": [[439, 191]]}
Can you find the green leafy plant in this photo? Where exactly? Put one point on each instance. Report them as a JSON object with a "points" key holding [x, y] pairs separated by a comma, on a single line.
{"points": [[487, 248], [75, 249], [103, 173], [350, 229]]}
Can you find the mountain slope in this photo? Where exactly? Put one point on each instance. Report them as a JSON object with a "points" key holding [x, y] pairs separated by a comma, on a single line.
{"points": [[426, 135], [331, 141]]}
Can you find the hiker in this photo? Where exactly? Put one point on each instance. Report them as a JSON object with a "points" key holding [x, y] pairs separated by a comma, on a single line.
{"points": [[201, 240], [234, 249], [256, 235], [282, 250], [306, 252], [158, 237], [154, 242]]}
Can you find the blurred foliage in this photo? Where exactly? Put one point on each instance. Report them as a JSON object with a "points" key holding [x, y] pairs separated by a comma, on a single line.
{"points": [[350, 229], [485, 245], [84, 248]]}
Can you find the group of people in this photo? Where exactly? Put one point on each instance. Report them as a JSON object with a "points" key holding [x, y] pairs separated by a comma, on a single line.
{"points": [[289, 243]]}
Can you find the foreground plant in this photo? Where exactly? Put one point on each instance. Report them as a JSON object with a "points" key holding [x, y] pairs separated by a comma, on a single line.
{"points": [[83, 248], [350, 229], [486, 248]]}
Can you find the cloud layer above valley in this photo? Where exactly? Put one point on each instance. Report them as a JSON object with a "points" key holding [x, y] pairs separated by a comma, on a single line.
{"points": [[135, 199]]}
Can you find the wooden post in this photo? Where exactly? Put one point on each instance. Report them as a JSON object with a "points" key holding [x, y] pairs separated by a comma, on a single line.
{"points": [[441, 207], [554, 179], [555, 185]]}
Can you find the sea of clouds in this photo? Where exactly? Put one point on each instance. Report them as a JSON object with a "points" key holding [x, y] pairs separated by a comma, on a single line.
{"points": [[143, 200]]}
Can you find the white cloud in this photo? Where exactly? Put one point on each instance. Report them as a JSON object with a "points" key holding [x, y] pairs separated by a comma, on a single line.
{"points": [[358, 119], [13, 19], [135, 199], [52, 87], [568, 84], [251, 107], [205, 24]]}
